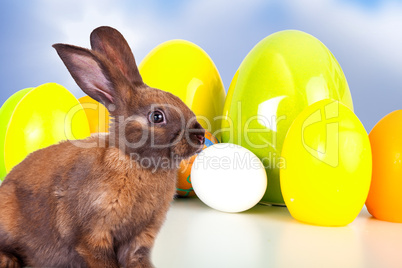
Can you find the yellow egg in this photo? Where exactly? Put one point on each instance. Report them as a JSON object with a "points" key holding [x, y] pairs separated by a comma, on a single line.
{"points": [[326, 165], [97, 114], [185, 70], [35, 118]]}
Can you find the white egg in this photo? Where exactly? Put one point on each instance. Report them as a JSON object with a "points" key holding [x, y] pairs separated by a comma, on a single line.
{"points": [[228, 177]]}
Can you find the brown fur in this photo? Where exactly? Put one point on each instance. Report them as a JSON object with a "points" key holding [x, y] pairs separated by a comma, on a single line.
{"points": [[88, 203]]}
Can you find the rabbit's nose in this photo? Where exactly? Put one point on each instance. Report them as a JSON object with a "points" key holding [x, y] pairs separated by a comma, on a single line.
{"points": [[197, 133], [200, 138]]}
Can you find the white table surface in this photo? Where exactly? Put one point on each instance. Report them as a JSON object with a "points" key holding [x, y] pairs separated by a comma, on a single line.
{"points": [[197, 236]]}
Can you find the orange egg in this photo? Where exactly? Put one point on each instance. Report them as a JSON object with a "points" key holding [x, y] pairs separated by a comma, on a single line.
{"points": [[97, 114], [384, 201], [184, 187]]}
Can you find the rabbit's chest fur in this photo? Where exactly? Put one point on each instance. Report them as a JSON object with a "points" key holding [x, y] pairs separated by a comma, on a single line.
{"points": [[118, 200], [128, 196]]}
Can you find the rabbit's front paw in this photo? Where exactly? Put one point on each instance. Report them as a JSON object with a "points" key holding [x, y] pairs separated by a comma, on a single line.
{"points": [[8, 261], [141, 259]]}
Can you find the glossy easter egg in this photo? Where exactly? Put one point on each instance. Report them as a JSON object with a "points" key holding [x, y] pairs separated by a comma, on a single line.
{"points": [[185, 70], [283, 74], [35, 118], [384, 201], [228, 177], [326, 165], [97, 114]]}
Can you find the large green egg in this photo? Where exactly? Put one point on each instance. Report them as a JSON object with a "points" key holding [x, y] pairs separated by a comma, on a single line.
{"points": [[283, 74]]}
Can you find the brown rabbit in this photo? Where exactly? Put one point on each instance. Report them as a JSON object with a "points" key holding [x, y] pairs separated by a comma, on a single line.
{"points": [[100, 202]]}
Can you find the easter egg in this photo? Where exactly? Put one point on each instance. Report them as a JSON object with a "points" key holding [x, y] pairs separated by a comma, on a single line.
{"points": [[228, 177], [384, 201], [283, 74], [185, 70], [184, 187], [97, 114], [326, 165], [35, 118]]}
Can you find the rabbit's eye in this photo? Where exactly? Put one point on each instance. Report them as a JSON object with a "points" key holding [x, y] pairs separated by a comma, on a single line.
{"points": [[156, 117]]}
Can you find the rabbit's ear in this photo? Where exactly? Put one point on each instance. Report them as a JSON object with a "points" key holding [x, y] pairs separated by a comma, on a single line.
{"points": [[88, 71], [111, 43]]}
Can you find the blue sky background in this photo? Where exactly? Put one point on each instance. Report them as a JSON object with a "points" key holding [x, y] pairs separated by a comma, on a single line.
{"points": [[364, 36]]}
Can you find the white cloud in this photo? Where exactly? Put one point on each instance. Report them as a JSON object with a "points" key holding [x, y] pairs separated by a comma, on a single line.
{"points": [[75, 20], [373, 32]]}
